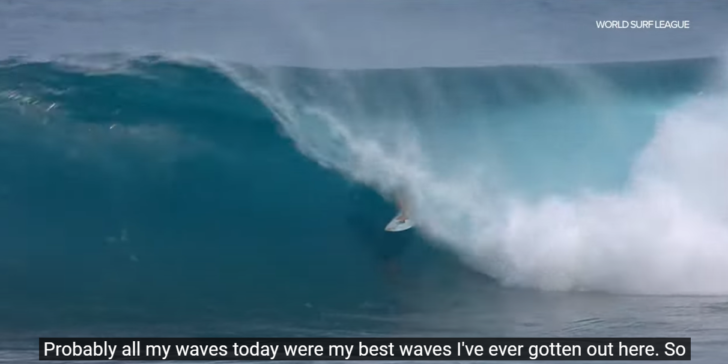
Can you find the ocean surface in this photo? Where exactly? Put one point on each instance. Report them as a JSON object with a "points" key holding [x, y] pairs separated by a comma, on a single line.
{"points": [[226, 168]]}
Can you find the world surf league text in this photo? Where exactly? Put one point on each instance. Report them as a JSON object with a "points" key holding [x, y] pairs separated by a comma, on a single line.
{"points": [[446, 349]]}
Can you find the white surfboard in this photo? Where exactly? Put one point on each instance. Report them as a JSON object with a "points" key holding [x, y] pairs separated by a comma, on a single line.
{"points": [[396, 225]]}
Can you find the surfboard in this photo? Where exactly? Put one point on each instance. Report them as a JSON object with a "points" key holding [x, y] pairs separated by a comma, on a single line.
{"points": [[395, 225]]}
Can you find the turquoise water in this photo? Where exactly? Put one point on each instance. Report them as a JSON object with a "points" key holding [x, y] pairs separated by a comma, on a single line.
{"points": [[151, 193], [165, 196]]}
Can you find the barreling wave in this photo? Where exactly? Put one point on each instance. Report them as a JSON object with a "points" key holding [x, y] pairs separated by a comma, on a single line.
{"points": [[592, 177]]}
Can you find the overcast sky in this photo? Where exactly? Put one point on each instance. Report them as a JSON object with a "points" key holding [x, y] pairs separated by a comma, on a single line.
{"points": [[363, 33]]}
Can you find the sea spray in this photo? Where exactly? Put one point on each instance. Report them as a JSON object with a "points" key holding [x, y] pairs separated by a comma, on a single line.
{"points": [[574, 206]]}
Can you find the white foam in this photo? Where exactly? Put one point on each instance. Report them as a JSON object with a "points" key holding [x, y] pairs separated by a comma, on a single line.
{"points": [[666, 232]]}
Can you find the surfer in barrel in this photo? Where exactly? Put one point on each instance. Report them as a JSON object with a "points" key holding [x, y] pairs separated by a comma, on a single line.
{"points": [[403, 209], [403, 220]]}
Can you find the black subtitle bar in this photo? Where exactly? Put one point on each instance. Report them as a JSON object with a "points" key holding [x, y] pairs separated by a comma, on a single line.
{"points": [[476, 349]]}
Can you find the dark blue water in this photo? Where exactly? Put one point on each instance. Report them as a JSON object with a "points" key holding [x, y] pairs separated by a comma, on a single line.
{"points": [[144, 192]]}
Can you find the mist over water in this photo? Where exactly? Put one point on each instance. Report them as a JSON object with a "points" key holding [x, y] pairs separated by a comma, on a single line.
{"points": [[560, 178]]}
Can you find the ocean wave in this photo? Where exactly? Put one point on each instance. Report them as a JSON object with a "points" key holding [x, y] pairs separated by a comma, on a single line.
{"points": [[586, 177]]}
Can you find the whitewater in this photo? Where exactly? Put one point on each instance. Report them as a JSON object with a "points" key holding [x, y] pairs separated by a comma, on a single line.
{"points": [[170, 169], [659, 230]]}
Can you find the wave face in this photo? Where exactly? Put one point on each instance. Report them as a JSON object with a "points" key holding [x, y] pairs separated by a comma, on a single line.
{"points": [[161, 192], [190, 185]]}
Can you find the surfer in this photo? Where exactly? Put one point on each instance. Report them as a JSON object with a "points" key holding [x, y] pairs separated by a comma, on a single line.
{"points": [[403, 220], [403, 209]]}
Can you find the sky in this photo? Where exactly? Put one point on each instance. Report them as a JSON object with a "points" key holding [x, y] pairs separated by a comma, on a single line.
{"points": [[363, 33]]}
